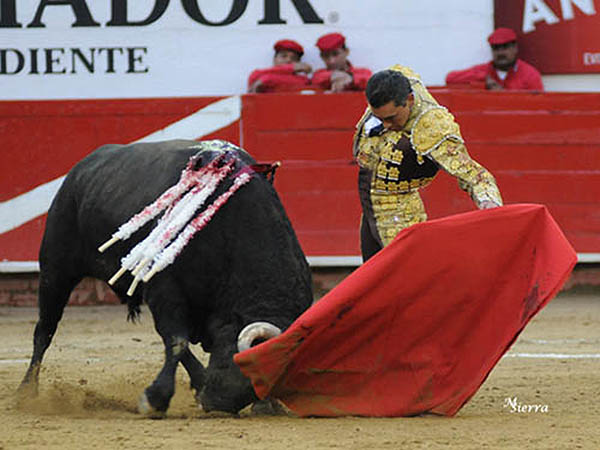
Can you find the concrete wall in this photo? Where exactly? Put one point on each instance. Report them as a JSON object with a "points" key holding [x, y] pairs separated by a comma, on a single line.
{"points": [[22, 289]]}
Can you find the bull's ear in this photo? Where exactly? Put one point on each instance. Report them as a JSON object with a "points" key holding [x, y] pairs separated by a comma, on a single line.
{"points": [[267, 170]]}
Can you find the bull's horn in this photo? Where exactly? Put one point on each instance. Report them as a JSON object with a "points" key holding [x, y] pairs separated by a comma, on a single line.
{"points": [[256, 330]]}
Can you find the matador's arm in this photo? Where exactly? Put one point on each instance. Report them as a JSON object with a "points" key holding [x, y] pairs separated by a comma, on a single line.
{"points": [[472, 177], [437, 136]]}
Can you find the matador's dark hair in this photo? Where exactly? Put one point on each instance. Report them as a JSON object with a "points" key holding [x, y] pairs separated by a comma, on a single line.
{"points": [[387, 85]]}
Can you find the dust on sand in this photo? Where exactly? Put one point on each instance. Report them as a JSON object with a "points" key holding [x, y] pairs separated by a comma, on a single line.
{"points": [[99, 364]]}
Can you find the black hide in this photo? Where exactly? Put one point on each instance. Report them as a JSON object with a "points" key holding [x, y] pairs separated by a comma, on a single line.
{"points": [[246, 265]]}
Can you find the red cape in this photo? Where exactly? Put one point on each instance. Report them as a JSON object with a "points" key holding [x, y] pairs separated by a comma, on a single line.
{"points": [[418, 328]]}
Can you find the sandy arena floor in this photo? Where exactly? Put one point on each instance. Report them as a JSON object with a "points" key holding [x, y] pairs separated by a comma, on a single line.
{"points": [[99, 364]]}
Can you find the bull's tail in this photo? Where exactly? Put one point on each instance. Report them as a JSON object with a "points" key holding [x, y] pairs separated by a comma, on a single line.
{"points": [[133, 311]]}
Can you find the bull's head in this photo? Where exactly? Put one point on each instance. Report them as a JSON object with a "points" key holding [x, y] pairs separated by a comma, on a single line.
{"points": [[226, 388]]}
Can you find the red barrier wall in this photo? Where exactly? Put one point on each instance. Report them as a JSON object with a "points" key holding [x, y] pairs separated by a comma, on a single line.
{"points": [[312, 136], [542, 148], [42, 140]]}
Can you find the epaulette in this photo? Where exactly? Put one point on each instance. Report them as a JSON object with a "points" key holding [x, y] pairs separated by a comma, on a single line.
{"points": [[431, 128], [407, 72], [359, 129]]}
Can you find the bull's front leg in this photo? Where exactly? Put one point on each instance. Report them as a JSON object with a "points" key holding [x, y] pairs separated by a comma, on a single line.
{"points": [[156, 398], [171, 316]]}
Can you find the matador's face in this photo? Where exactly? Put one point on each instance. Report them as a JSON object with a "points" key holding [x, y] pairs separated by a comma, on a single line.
{"points": [[393, 116]]}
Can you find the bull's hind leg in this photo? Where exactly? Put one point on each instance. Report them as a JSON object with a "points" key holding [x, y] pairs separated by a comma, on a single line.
{"points": [[171, 317], [195, 370], [52, 298]]}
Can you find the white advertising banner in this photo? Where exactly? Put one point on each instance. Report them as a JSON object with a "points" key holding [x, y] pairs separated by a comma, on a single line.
{"points": [[77, 49]]}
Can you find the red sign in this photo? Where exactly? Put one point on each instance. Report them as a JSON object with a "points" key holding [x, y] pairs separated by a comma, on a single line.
{"points": [[556, 36]]}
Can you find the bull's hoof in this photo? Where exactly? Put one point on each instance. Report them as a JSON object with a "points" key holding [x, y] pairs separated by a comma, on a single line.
{"points": [[27, 391], [146, 409], [268, 407]]}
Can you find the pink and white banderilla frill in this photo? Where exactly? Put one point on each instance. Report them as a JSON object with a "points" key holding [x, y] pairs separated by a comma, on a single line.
{"points": [[171, 234]]}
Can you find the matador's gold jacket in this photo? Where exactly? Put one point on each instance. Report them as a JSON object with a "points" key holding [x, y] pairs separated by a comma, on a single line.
{"points": [[394, 165]]}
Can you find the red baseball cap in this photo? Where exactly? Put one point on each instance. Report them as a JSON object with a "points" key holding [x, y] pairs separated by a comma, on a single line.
{"points": [[331, 41], [502, 36], [288, 44]]}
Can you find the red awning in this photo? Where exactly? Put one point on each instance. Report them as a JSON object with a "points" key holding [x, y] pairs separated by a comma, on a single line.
{"points": [[418, 328]]}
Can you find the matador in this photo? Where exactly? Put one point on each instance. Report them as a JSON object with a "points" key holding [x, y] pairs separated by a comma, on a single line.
{"points": [[402, 140]]}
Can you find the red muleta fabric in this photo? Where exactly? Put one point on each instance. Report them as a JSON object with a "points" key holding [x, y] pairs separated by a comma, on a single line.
{"points": [[418, 328]]}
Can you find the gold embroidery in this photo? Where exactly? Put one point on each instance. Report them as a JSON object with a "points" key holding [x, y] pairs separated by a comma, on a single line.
{"points": [[368, 153], [472, 177], [396, 212], [380, 185], [415, 184], [400, 187], [382, 171], [393, 173], [376, 150], [432, 128], [386, 146], [432, 131], [391, 154]]}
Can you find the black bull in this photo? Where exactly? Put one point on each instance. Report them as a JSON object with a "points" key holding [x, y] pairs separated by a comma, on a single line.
{"points": [[245, 266]]}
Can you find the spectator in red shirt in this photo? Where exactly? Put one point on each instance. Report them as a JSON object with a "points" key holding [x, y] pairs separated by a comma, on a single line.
{"points": [[288, 72], [339, 74], [505, 71]]}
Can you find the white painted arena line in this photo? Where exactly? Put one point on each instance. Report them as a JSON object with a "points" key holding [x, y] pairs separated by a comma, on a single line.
{"points": [[559, 341], [13, 361], [554, 355]]}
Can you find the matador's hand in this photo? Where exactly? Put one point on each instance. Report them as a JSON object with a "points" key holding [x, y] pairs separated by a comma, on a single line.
{"points": [[487, 204]]}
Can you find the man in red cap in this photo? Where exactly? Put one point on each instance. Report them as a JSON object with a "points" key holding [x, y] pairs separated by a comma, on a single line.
{"points": [[288, 72], [339, 75], [505, 71]]}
